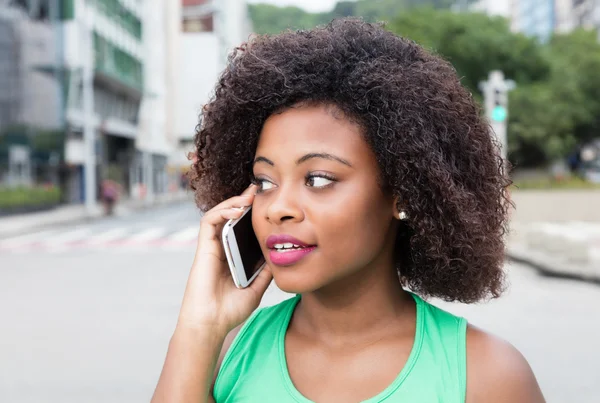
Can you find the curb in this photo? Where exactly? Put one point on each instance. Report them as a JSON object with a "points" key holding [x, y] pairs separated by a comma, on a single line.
{"points": [[552, 266]]}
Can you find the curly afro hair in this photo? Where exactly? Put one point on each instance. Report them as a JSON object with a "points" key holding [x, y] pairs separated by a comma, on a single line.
{"points": [[433, 148]]}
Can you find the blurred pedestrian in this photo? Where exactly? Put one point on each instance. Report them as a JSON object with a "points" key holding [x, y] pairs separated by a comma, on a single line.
{"points": [[375, 187], [110, 195], [183, 181]]}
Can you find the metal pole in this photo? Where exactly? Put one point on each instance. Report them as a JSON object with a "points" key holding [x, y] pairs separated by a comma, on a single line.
{"points": [[148, 176], [89, 138]]}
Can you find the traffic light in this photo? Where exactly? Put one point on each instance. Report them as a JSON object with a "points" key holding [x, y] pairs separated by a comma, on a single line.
{"points": [[495, 93], [499, 111]]}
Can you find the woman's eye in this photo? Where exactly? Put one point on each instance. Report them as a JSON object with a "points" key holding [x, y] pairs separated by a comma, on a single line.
{"points": [[264, 185], [318, 181]]}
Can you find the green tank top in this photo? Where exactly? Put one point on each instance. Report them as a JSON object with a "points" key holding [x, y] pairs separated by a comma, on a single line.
{"points": [[255, 368]]}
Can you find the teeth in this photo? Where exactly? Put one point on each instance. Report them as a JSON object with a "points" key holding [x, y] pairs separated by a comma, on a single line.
{"points": [[286, 246]]}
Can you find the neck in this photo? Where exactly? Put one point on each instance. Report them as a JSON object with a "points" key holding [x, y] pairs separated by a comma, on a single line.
{"points": [[362, 305]]}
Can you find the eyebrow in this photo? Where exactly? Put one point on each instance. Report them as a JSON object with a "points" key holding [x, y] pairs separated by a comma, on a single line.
{"points": [[307, 157]]}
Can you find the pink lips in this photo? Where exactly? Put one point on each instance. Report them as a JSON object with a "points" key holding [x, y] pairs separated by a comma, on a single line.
{"points": [[289, 257]]}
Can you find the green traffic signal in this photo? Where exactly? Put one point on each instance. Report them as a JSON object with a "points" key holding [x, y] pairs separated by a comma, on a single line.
{"points": [[499, 113]]}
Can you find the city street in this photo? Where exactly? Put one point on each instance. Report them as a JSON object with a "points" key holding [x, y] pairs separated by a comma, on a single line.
{"points": [[87, 313]]}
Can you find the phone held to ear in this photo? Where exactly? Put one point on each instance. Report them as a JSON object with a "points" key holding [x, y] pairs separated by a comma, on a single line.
{"points": [[244, 256]]}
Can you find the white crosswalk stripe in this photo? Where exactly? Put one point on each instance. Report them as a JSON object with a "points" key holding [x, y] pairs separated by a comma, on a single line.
{"points": [[188, 234], [66, 237], [147, 235], [118, 239], [107, 237], [27, 239]]}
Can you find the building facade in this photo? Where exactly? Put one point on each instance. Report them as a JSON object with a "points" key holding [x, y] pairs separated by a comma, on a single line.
{"points": [[500, 8], [105, 67], [210, 30], [536, 18], [586, 14], [30, 138], [106, 37], [156, 139], [541, 18]]}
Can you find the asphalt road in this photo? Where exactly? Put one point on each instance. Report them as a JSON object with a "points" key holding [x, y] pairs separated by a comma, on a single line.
{"points": [[87, 313]]}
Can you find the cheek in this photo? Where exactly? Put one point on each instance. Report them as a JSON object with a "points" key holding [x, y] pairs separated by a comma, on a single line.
{"points": [[354, 232]]}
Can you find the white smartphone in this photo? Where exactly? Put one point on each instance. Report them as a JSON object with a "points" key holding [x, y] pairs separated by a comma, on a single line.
{"points": [[244, 256]]}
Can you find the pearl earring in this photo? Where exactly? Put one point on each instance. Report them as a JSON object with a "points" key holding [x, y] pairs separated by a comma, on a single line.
{"points": [[402, 215]]}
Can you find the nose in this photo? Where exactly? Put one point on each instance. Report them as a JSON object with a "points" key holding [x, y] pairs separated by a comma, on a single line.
{"points": [[284, 206]]}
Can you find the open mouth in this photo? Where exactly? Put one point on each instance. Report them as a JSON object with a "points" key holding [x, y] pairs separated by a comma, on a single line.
{"points": [[286, 250]]}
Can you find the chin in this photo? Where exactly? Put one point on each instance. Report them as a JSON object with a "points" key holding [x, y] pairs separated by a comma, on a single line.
{"points": [[295, 283]]}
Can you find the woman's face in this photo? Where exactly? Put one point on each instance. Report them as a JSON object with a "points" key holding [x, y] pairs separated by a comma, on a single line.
{"points": [[318, 189]]}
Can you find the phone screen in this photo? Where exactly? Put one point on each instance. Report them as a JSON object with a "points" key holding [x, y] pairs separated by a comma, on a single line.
{"points": [[248, 245]]}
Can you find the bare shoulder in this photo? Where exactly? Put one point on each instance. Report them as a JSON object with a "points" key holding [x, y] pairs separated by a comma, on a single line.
{"points": [[497, 372]]}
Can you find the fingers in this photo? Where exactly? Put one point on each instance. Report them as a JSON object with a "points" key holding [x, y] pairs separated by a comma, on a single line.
{"points": [[262, 281], [243, 200], [230, 209]]}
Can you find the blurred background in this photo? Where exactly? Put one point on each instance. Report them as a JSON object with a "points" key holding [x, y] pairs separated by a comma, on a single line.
{"points": [[99, 100]]}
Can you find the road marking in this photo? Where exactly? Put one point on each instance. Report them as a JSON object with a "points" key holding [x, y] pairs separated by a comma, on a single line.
{"points": [[107, 236], [69, 236], [59, 243], [188, 234], [27, 239], [147, 235]]}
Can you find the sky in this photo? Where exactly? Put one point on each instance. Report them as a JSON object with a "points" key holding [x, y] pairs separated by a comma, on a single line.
{"points": [[308, 5]]}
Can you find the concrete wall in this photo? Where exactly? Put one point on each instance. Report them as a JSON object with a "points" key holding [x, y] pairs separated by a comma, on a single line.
{"points": [[535, 18], [233, 25], [10, 74], [564, 17], [556, 206], [198, 73], [152, 117], [40, 90], [28, 95]]}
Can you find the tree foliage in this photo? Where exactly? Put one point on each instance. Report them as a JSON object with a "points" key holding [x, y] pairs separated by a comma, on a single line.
{"points": [[474, 43], [556, 104], [269, 19], [550, 117]]}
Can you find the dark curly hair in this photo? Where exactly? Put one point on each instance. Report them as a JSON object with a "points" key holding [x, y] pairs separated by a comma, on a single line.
{"points": [[433, 147]]}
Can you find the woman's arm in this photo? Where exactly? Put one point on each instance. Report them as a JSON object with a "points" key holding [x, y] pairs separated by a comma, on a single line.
{"points": [[497, 372], [212, 307], [188, 372], [187, 366]]}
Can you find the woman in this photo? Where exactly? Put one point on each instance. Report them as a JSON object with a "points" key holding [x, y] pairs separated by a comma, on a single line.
{"points": [[365, 148]]}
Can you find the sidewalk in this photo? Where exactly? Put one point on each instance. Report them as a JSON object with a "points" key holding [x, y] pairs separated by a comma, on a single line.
{"points": [[71, 214], [558, 232]]}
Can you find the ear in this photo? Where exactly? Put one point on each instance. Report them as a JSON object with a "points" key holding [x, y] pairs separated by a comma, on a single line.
{"points": [[396, 207]]}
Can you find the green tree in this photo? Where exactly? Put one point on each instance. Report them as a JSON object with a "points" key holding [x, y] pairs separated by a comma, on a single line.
{"points": [[344, 9], [269, 19], [376, 10], [475, 44], [556, 104]]}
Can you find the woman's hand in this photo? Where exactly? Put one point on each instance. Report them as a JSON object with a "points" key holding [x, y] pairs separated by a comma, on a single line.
{"points": [[211, 299]]}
